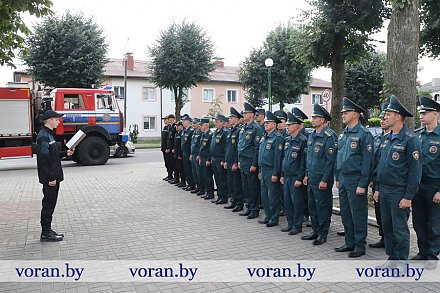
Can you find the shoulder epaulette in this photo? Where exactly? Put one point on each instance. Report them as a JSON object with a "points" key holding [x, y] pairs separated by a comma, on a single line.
{"points": [[409, 134], [419, 129], [327, 133]]}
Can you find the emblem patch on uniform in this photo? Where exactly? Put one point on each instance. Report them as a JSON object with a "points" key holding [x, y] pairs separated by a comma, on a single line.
{"points": [[369, 148], [353, 144], [204, 143], [268, 146], [433, 149], [217, 139], [294, 155], [248, 136], [331, 151], [395, 156], [416, 155], [257, 138], [317, 149], [280, 147], [233, 140]]}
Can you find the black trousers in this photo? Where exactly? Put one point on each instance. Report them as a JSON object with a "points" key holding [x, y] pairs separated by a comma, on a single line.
{"points": [[378, 215], [48, 205], [170, 162]]}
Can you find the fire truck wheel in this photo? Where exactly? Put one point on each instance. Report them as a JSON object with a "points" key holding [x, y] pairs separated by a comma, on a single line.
{"points": [[121, 152], [94, 151]]}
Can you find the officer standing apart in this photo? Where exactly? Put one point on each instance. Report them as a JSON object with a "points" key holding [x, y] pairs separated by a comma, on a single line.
{"points": [[398, 176], [269, 163], [188, 132], [218, 148], [231, 163], [204, 159], [293, 172], [353, 174], [320, 175], [248, 143], [195, 149], [378, 140], [170, 148], [50, 173], [426, 203]]}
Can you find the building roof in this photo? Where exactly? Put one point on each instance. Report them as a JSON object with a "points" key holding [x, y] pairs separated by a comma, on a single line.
{"points": [[115, 68], [428, 87], [315, 82]]}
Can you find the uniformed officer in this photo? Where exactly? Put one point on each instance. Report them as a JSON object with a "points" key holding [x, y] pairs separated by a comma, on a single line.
{"points": [[187, 134], [378, 140], [248, 143], [302, 116], [195, 149], [50, 173], [218, 148], [180, 177], [353, 174], [281, 127], [292, 175], [260, 115], [163, 147], [231, 163], [170, 147], [205, 159], [426, 203], [321, 149], [398, 176], [269, 163]]}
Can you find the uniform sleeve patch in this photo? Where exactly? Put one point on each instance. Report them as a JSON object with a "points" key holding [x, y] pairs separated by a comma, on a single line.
{"points": [[415, 155], [257, 138], [369, 148], [331, 151], [280, 147]]}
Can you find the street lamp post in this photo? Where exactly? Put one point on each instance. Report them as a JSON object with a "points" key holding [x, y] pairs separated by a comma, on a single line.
{"points": [[125, 91], [269, 63]]}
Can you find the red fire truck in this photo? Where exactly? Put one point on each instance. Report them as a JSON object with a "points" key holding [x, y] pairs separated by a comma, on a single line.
{"points": [[94, 111]]}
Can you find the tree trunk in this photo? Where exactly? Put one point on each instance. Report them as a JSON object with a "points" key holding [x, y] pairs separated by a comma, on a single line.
{"points": [[282, 105], [402, 56], [178, 102], [338, 83]]}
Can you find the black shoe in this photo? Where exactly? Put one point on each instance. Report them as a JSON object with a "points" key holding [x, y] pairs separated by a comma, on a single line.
{"points": [[282, 213], [204, 195], [295, 231], [419, 257], [200, 193], [379, 244], [195, 191], [261, 207], [354, 254], [319, 241], [263, 221], [222, 201], [340, 233], [59, 234], [344, 248], [187, 188], [215, 200], [245, 213], [271, 224], [286, 229], [50, 237], [166, 178], [252, 216], [308, 223], [209, 196], [237, 209], [173, 181], [311, 236], [229, 206], [180, 185]]}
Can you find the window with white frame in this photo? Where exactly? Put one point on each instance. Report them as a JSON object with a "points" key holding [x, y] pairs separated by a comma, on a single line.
{"points": [[148, 94], [317, 99], [185, 96], [231, 96], [208, 95], [119, 92], [149, 123]]}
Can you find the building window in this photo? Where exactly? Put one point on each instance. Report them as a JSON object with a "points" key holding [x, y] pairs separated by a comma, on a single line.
{"points": [[148, 94], [317, 99], [73, 102], [149, 123], [119, 92], [231, 96], [208, 95], [185, 96]]}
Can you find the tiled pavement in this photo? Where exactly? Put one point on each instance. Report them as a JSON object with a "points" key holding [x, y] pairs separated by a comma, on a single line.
{"points": [[128, 213]]}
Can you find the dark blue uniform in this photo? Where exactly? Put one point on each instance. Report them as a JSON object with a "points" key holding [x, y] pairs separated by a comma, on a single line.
{"points": [[195, 150], [217, 150], [426, 213], [205, 156], [269, 162], [398, 176], [293, 169], [187, 134], [354, 169], [231, 158]]}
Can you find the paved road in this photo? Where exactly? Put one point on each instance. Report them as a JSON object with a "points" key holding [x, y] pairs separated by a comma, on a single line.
{"points": [[124, 211]]}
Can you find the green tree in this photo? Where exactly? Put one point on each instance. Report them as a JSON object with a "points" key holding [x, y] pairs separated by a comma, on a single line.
{"points": [[181, 58], [430, 34], [67, 51], [402, 53], [12, 27], [216, 106], [289, 78], [337, 31], [364, 80]]}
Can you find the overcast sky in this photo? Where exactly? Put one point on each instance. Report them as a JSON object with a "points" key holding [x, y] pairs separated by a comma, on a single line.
{"points": [[234, 26]]}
